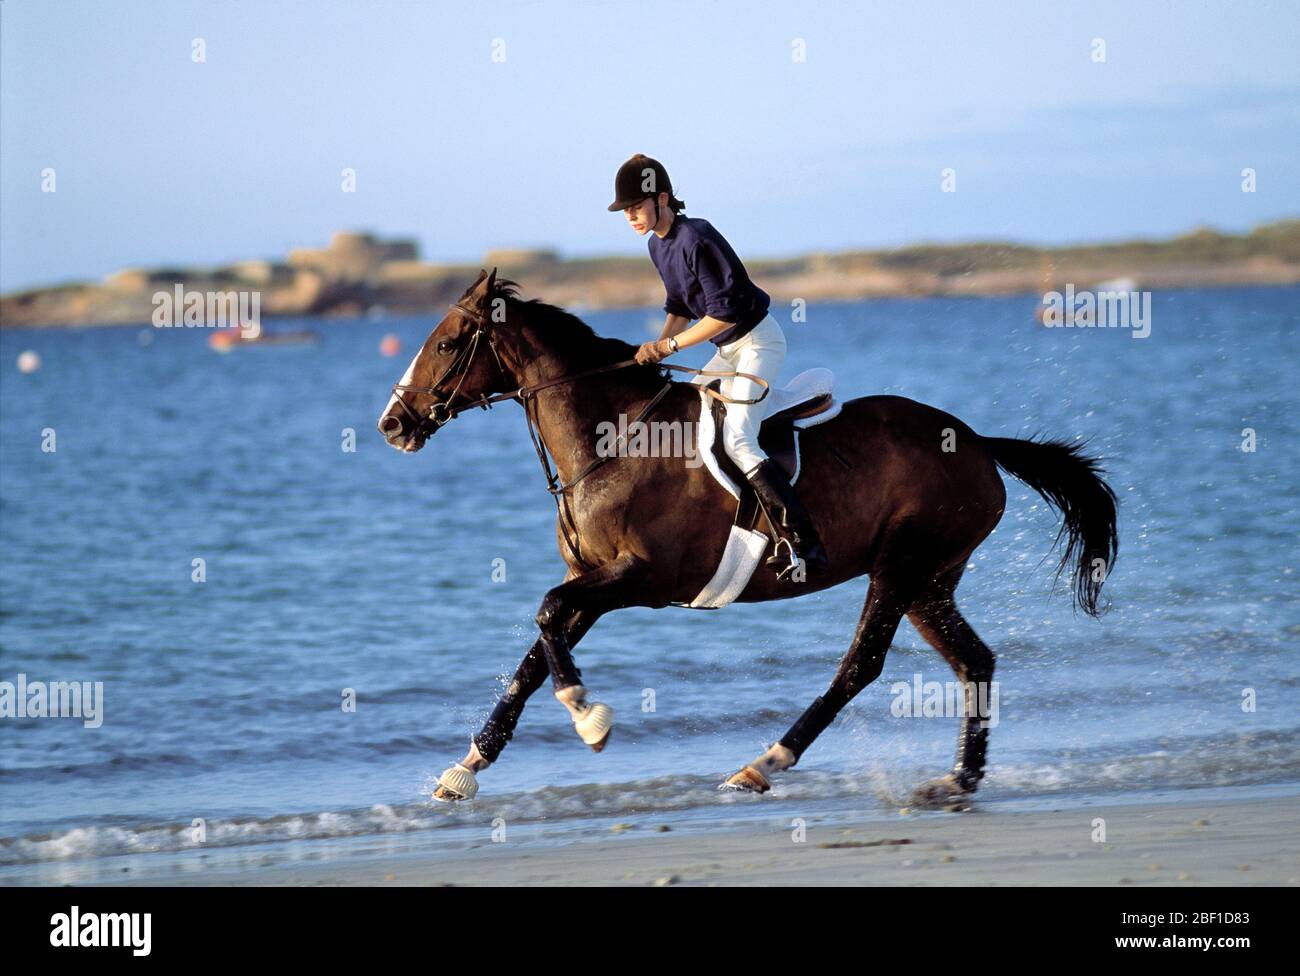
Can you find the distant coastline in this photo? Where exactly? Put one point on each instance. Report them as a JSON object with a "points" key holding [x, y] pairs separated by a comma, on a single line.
{"points": [[359, 273]]}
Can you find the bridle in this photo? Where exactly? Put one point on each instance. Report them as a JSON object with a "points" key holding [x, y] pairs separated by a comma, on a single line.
{"points": [[443, 412]]}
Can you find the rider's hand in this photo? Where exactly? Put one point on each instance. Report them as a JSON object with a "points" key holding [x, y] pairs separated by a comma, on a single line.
{"points": [[652, 352]]}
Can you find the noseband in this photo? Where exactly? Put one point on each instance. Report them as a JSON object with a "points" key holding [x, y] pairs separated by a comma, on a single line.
{"points": [[442, 412]]}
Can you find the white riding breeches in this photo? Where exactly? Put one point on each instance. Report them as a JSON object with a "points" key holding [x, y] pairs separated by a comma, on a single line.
{"points": [[761, 352]]}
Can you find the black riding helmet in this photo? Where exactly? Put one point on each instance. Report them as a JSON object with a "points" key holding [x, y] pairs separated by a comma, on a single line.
{"points": [[638, 178]]}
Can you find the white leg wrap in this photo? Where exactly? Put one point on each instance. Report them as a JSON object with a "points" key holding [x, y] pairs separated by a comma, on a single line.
{"points": [[593, 720], [776, 759], [595, 723], [459, 779]]}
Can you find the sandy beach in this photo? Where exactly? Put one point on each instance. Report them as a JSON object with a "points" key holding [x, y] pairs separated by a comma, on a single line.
{"points": [[1215, 843]]}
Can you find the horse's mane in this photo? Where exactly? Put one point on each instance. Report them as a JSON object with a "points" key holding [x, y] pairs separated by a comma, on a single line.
{"points": [[579, 341]]}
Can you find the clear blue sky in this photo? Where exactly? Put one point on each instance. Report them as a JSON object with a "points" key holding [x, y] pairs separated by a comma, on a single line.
{"points": [[163, 161]]}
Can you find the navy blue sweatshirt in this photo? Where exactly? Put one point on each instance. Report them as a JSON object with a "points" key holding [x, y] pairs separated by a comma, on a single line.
{"points": [[702, 276]]}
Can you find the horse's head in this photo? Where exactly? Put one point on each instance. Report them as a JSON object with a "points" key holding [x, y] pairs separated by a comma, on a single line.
{"points": [[458, 364]]}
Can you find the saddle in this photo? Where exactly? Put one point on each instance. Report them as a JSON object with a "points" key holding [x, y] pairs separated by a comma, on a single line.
{"points": [[807, 400]]}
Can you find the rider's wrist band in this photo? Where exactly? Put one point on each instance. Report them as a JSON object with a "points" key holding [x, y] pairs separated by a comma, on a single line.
{"points": [[672, 341]]}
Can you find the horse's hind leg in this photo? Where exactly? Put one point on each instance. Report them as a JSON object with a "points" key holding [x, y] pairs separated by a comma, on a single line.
{"points": [[885, 604], [938, 620], [500, 727]]}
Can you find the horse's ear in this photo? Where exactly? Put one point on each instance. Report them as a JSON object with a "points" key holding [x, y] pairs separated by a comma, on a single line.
{"points": [[492, 280]]}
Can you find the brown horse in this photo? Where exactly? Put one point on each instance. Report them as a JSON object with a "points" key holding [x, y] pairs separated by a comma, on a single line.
{"points": [[900, 491]]}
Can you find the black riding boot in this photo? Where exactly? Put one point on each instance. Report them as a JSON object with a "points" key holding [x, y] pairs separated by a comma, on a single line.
{"points": [[783, 506]]}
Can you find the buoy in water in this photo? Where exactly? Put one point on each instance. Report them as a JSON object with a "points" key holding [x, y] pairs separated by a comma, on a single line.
{"points": [[28, 362], [390, 345]]}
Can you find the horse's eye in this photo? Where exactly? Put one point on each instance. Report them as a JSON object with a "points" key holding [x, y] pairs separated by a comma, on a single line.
{"points": [[446, 346]]}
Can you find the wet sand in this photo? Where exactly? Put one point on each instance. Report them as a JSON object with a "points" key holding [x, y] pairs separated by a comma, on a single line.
{"points": [[1248, 842]]}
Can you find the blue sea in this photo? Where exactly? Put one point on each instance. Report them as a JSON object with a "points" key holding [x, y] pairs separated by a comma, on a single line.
{"points": [[223, 738]]}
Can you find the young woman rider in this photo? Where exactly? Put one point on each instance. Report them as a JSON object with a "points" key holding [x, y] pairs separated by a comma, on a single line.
{"points": [[706, 283]]}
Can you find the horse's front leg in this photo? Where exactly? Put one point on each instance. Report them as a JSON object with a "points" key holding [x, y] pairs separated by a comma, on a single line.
{"points": [[459, 782], [618, 584]]}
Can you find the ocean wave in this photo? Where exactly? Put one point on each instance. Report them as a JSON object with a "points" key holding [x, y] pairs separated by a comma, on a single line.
{"points": [[1248, 759]]}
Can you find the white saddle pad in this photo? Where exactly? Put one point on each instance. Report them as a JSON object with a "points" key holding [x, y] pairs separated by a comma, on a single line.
{"points": [[808, 385], [745, 548]]}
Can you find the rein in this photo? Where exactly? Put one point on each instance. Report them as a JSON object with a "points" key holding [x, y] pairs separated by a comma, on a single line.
{"points": [[441, 413]]}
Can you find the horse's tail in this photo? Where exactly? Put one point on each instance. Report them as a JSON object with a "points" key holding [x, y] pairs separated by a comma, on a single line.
{"points": [[1071, 483]]}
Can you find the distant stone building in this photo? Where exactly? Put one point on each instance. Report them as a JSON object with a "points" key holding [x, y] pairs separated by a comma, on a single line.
{"points": [[353, 256], [128, 279], [518, 257], [266, 274], [149, 279]]}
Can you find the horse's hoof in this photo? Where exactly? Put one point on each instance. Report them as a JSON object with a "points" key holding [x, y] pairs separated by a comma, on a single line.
{"points": [[944, 793], [457, 783], [748, 780], [593, 728]]}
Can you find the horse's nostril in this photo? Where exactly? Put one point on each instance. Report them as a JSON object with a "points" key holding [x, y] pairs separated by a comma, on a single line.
{"points": [[390, 426]]}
